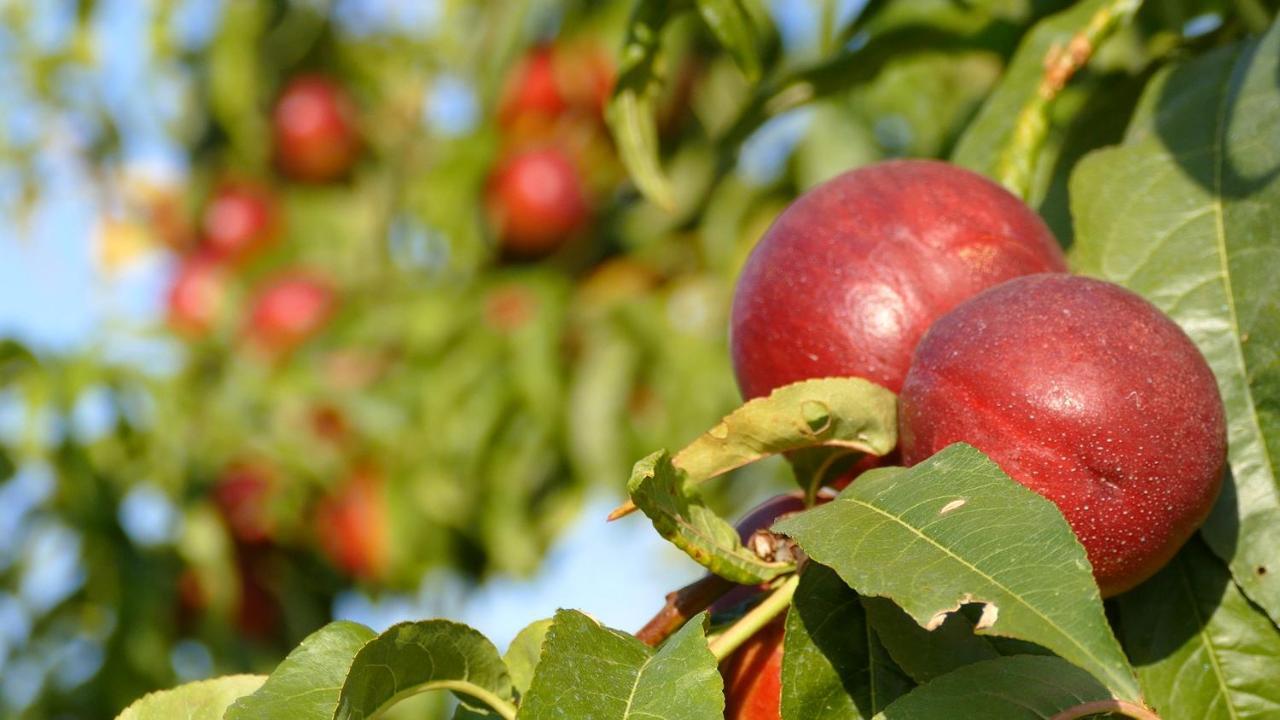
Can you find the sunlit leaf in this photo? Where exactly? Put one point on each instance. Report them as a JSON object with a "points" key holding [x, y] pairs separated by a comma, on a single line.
{"points": [[305, 686], [204, 700]]}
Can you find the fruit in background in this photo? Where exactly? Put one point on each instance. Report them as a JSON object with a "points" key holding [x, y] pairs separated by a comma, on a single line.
{"points": [[316, 134], [258, 610], [196, 296], [352, 526], [753, 676], [551, 81], [586, 74], [531, 89], [240, 221], [1090, 396], [243, 496], [289, 310], [536, 201], [848, 279]]}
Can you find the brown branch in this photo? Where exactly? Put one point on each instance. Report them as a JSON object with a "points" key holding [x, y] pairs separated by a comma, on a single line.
{"points": [[682, 605]]}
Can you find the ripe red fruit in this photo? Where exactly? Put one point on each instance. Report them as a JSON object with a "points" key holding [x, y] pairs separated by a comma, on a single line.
{"points": [[537, 201], [852, 274], [316, 138], [243, 496], [351, 526], [239, 222], [532, 88], [197, 296], [1087, 394], [753, 676], [289, 310]]}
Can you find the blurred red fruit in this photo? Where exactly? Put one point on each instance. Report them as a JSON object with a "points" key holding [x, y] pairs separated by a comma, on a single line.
{"points": [[531, 89], [316, 138], [351, 525], [258, 613], [239, 222], [196, 296], [753, 676], [537, 202], [243, 496], [289, 310]]}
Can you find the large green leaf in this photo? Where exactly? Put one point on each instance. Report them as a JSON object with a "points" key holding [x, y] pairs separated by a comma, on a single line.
{"points": [[1201, 649], [1185, 213], [834, 417], [954, 530], [204, 700], [306, 684], [833, 666], [415, 657], [1021, 687], [589, 672]]}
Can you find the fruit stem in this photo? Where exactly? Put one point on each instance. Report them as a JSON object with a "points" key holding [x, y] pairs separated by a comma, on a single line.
{"points": [[759, 616], [682, 605], [1016, 166], [1119, 707]]}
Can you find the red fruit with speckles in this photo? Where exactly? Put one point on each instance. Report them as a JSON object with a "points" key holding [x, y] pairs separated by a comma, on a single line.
{"points": [[289, 310], [852, 274], [197, 296], [351, 526], [1087, 394], [753, 676], [239, 222], [537, 202], [316, 138]]}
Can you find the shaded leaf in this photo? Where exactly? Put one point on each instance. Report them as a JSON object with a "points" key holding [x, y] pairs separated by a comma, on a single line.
{"points": [[415, 657], [954, 530], [204, 700], [523, 654], [1184, 213], [1033, 687], [632, 110], [833, 665], [733, 28], [926, 654], [306, 684], [1200, 648], [589, 672]]}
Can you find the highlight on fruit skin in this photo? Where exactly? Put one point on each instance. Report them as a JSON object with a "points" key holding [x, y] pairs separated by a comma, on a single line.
{"points": [[1087, 394], [197, 296], [848, 279], [240, 222], [316, 136], [290, 309]]}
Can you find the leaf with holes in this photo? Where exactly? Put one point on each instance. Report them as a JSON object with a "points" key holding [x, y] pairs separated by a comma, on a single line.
{"points": [[1184, 212], [955, 530]]}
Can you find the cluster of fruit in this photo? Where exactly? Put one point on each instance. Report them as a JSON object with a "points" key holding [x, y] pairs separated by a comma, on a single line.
{"points": [[943, 287]]}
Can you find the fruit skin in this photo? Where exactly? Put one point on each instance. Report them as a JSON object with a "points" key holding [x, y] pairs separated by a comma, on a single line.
{"points": [[243, 495], [753, 676], [239, 222], [289, 310], [351, 526], [1087, 394], [848, 279], [316, 138], [537, 201], [196, 296]]}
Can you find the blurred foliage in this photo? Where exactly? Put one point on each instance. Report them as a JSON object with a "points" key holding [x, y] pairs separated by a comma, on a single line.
{"points": [[465, 395]]}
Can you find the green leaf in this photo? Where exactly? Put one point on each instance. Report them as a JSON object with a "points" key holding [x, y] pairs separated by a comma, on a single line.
{"points": [[204, 700], [306, 684], [954, 530], [833, 665], [1201, 649], [523, 654], [733, 28], [632, 111], [926, 654], [415, 657], [662, 492], [1033, 687], [980, 146], [1184, 213], [589, 672]]}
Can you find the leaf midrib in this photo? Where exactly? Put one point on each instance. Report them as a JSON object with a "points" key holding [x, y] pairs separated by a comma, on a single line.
{"points": [[1210, 648]]}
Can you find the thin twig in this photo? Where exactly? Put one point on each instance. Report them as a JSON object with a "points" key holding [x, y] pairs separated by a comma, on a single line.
{"points": [[736, 634], [1017, 163], [682, 605]]}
